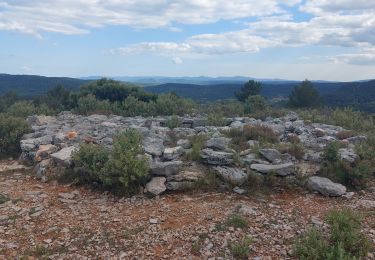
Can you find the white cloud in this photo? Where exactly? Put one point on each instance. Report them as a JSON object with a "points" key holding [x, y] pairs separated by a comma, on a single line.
{"points": [[78, 16], [365, 57], [177, 60]]}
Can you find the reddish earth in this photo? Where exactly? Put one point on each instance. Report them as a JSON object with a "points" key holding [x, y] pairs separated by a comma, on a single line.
{"points": [[40, 222]]}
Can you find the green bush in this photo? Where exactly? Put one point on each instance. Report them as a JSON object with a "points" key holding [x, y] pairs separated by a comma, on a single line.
{"points": [[125, 171], [254, 104], [173, 122], [331, 152], [216, 119], [227, 108], [90, 105], [11, 131], [122, 170], [241, 250], [197, 142], [89, 162], [345, 240], [250, 88]]}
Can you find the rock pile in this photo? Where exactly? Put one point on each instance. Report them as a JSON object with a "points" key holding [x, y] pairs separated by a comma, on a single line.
{"points": [[54, 139]]}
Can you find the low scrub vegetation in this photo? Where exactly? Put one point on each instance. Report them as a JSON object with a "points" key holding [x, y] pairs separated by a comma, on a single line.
{"points": [[241, 249], [344, 241], [352, 175], [11, 131], [122, 170]]}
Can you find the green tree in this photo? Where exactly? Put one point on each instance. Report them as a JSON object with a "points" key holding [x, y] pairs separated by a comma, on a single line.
{"points": [[251, 88], [254, 104], [305, 95]]}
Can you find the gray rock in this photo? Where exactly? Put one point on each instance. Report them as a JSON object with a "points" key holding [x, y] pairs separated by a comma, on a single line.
{"points": [[173, 153], [239, 190], [184, 143], [325, 186], [64, 156], [156, 186], [271, 155], [252, 143], [218, 143], [165, 168], [279, 169], [356, 139], [212, 157], [153, 146], [178, 185], [348, 155], [234, 176], [186, 176]]}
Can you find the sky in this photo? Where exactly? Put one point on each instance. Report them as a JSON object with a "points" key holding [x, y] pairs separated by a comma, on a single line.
{"points": [[288, 39]]}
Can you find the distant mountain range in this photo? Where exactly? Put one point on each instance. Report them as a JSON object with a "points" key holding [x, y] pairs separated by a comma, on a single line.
{"points": [[360, 94]]}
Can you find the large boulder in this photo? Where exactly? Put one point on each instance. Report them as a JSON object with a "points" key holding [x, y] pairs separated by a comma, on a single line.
{"points": [[279, 169], [218, 143], [156, 186], [165, 168], [325, 186], [212, 157], [234, 176], [64, 156]]}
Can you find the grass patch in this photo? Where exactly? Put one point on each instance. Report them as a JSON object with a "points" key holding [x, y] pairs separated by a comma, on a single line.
{"points": [[345, 240], [3, 198], [236, 221], [241, 250]]}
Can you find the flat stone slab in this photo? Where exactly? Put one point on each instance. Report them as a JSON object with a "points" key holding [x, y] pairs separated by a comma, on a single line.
{"points": [[279, 169], [325, 186]]}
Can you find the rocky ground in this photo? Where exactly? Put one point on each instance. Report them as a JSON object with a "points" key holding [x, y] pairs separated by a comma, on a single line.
{"points": [[55, 221]]}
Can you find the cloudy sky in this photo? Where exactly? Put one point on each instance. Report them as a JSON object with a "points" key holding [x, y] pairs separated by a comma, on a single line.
{"points": [[290, 39]]}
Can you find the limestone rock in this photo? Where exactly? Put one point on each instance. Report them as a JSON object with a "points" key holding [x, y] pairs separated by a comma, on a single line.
{"points": [[210, 156], [325, 186], [173, 153], [234, 176], [218, 143], [279, 169], [165, 168], [64, 156], [271, 155], [156, 186]]}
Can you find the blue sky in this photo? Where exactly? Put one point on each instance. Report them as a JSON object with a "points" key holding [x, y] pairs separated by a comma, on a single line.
{"points": [[290, 39]]}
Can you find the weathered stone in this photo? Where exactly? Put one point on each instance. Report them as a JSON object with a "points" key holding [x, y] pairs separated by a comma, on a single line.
{"points": [[325, 186], [156, 186], [218, 143], [44, 152], [210, 156], [153, 146], [279, 169], [356, 139], [173, 153], [184, 143], [186, 176], [234, 176], [178, 185], [165, 168], [271, 155], [64, 156], [348, 155], [239, 190]]}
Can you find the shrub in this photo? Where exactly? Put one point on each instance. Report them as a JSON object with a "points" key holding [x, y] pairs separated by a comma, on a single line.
{"points": [[216, 119], [197, 142], [254, 104], [331, 152], [241, 250], [260, 133], [125, 171], [121, 171], [226, 108], [173, 122], [89, 162], [295, 149], [236, 221], [345, 240], [90, 105], [11, 131]]}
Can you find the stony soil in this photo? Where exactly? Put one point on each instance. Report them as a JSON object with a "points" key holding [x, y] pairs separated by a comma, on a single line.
{"points": [[55, 221]]}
